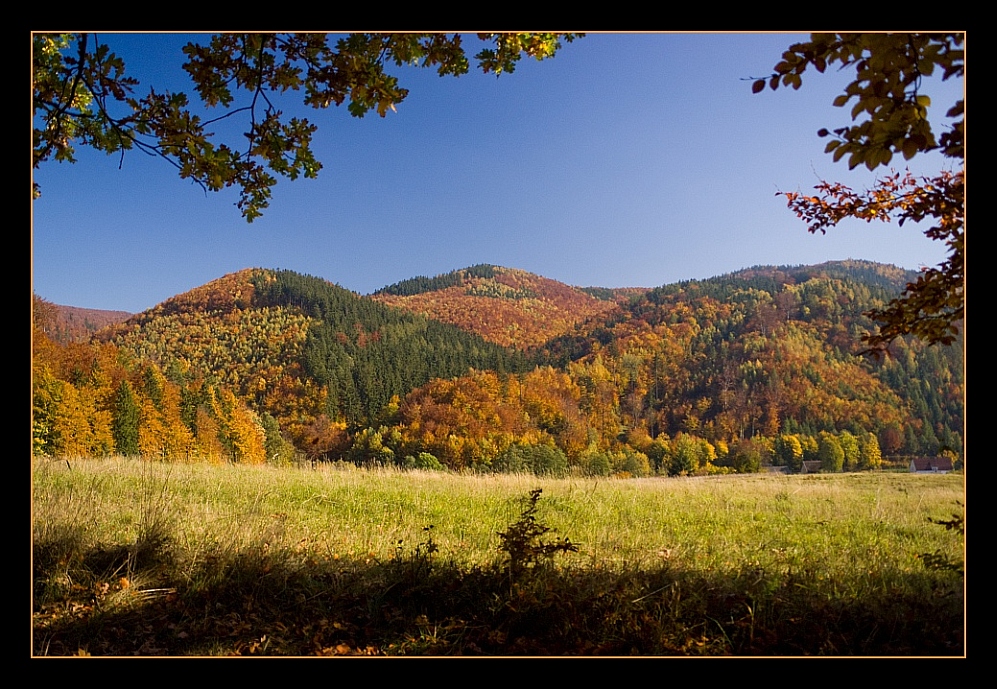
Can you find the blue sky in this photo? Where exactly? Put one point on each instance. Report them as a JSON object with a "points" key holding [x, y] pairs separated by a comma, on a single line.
{"points": [[626, 160]]}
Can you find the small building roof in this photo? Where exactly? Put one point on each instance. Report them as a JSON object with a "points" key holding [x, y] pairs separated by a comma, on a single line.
{"points": [[929, 464]]}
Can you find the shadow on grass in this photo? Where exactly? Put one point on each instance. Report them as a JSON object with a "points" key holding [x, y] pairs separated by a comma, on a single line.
{"points": [[275, 601]]}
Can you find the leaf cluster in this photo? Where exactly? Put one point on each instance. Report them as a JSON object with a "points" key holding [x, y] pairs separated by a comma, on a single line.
{"points": [[888, 110], [932, 307]]}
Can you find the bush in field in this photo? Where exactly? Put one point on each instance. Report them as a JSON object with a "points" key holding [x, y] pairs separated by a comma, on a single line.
{"points": [[547, 460], [632, 462], [424, 461], [690, 454], [370, 448], [596, 463], [658, 454], [542, 460], [523, 540], [511, 461]]}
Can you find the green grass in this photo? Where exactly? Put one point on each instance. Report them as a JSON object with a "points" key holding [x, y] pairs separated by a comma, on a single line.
{"points": [[143, 558]]}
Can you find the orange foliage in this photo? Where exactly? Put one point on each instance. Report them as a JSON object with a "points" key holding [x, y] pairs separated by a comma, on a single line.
{"points": [[513, 309]]}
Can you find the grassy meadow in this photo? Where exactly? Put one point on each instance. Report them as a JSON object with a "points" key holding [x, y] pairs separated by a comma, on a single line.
{"points": [[144, 558]]}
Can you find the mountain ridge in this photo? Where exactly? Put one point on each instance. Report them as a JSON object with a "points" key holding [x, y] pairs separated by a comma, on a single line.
{"points": [[510, 306], [606, 293], [765, 351]]}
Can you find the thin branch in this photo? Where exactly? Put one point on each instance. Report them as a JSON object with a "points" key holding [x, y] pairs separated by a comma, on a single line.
{"points": [[228, 114]]}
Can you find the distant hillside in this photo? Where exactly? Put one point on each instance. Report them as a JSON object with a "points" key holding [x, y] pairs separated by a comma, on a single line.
{"points": [[73, 324], [883, 275], [506, 306]]}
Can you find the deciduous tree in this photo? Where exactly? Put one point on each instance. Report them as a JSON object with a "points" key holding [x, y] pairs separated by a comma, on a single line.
{"points": [[789, 451], [72, 434], [126, 420], [829, 452], [870, 456]]}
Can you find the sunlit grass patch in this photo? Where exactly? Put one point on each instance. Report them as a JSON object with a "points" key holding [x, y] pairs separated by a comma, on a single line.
{"points": [[412, 562]]}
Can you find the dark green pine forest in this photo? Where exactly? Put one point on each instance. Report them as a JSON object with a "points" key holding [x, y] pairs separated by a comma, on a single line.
{"points": [[364, 352]]}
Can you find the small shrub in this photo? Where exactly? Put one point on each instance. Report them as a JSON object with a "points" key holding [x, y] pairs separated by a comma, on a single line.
{"points": [[939, 560], [511, 461], [542, 460], [635, 463], [597, 464], [416, 566], [424, 461], [547, 460], [523, 540], [745, 457]]}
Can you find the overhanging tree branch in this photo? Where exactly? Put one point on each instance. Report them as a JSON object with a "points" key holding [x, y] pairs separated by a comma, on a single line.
{"points": [[890, 116], [258, 64]]}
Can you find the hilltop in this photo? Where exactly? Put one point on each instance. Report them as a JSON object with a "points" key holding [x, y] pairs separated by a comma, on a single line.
{"points": [[507, 306]]}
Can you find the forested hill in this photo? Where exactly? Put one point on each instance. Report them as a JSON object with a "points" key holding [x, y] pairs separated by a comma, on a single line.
{"points": [[889, 277], [747, 359], [366, 352], [507, 306], [298, 346], [422, 283], [774, 349]]}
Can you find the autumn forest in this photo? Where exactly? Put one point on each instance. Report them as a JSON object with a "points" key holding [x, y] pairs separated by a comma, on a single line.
{"points": [[496, 369]]}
